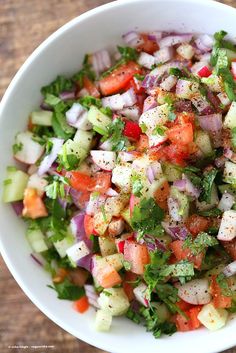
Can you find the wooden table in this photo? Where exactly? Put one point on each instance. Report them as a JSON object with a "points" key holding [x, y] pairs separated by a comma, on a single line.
{"points": [[23, 25]]}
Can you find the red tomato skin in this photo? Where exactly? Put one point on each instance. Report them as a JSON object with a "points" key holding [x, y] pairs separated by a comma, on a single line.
{"points": [[196, 224], [119, 78], [80, 181], [204, 72], [181, 134], [219, 300], [137, 255], [132, 130]]}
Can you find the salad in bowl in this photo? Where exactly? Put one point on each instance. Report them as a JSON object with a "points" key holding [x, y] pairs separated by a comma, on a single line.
{"points": [[126, 179]]}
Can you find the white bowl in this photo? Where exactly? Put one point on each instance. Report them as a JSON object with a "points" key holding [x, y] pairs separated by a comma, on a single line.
{"points": [[62, 53]]}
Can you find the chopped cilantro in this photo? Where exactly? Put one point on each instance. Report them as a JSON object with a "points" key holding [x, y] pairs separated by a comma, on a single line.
{"points": [[68, 161], [143, 127], [86, 71], [159, 130], [87, 101], [224, 285], [215, 212], [60, 84], [67, 290], [207, 184], [200, 243], [183, 268], [115, 131], [137, 185], [147, 217], [17, 147], [139, 77], [102, 208], [176, 72], [127, 265], [57, 187], [132, 315]]}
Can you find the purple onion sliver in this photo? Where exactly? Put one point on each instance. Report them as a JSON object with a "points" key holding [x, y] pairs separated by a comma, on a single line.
{"points": [[183, 106], [211, 123], [18, 207], [45, 106], [66, 95], [38, 259], [86, 262], [230, 269], [180, 184]]}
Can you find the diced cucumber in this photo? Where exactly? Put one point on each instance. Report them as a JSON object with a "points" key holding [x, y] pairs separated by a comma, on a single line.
{"points": [[203, 141], [98, 119], [121, 177], [230, 172], [156, 184], [214, 83], [114, 300], [230, 118], [101, 222], [116, 261], [162, 311], [212, 318], [165, 239], [182, 201], [126, 215], [64, 244], [215, 271], [14, 185], [231, 189], [103, 320], [107, 246], [71, 147], [84, 139], [36, 240], [42, 117], [114, 205], [204, 206], [171, 172]]}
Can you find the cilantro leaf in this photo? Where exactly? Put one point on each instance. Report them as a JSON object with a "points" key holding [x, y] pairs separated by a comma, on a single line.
{"points": [[215, 212], [137, 185], [200, 243], [60, 84], [87, 101], [218, 37], [86, 71], [56, 188], [207, 184], [17, 147], [115, 131], [67, 290], [147, 217], [222, 281], [183, 268]]}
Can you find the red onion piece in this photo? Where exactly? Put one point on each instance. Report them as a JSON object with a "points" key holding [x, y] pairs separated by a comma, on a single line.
{"points": [[149, 103], [155, 35], [230, 269], [75, 195], [18, 207], [183, 106], [220, 162], [211, 123], [45, 106], [168, 83], [214, 100], [129, 98], [146, 60], [154, 243], [114, 102], [91, 295], [77, 228], [180, 184], [111, 192], [229, 154], [94, 205], [38, 259], [133, 39], [163, 55], [126, 156], [179, 233], [86, 262], [66, 95], [173, 207], [106, 146], [48, 160], [204, 43], [223, 98], [132, 113], [74, 113], [190, 189], [226, 202], [83, 92], [171, 40], [202, 105], [101, 61]]}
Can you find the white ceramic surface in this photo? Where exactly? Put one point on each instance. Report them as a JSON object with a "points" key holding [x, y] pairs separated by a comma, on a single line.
{"points": [[62, 53]]}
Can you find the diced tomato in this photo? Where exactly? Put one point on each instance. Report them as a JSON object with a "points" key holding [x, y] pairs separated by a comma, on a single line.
{"points": [[103, 182], [230, 247], [81, 181], [136, 86], [204, 72], [181, 134], [91, 88], [197, 224], [119, 78], [33, 205], [219, 300], [184, 253], [120, 246], [108, 277], [132, 130], [183, 305], [81, 305], [137, 255], [184, 118], [161, 195], [142, 144], [127, 286], [148, 45], [133, 201], [176, 154], [192, 323], [89, 225]]}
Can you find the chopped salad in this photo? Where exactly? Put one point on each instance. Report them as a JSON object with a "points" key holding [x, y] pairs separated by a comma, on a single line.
{"points": [[126, 180]]}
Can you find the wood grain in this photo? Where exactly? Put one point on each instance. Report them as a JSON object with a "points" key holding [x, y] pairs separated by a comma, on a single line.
{"points": [[24, 24]]}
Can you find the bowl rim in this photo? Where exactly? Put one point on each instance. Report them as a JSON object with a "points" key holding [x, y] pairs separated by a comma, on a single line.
{"points": [[4, 101]]}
